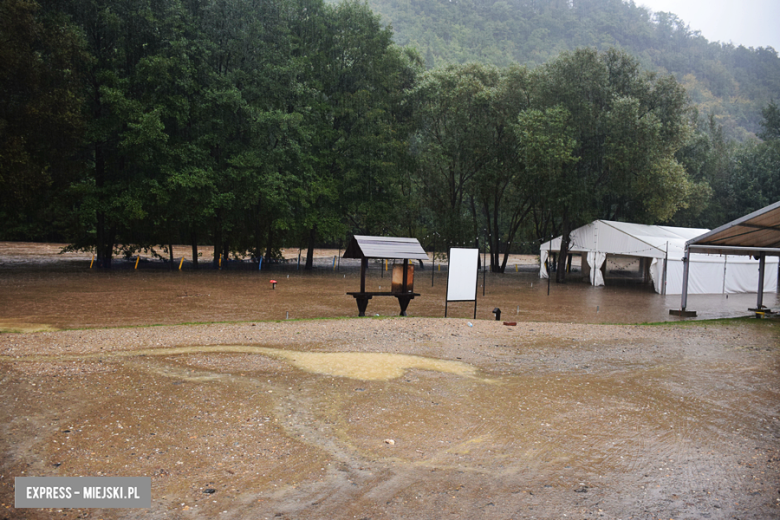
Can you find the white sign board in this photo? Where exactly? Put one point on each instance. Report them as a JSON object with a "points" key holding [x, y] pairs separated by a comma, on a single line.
{"points": [[462, 275]]}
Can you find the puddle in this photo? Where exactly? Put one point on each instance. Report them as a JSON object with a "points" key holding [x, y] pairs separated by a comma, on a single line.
{"points": [[369, 366], [366, 366]]}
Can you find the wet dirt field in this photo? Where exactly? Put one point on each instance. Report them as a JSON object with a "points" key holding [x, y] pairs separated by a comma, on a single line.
{"points": [[557, 417]]}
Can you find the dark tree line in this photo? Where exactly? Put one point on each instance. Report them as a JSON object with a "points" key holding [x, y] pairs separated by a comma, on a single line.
{"points": [[251, 125]]}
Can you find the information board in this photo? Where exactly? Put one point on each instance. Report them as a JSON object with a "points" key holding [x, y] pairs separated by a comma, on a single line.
{"points": [[462, 277]]}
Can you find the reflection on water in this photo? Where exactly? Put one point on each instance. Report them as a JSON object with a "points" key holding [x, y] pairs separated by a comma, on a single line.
{"points": [[77, 297]]}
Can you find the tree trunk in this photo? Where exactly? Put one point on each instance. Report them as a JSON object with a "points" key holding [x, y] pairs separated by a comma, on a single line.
{"points": [[495, 241], [217, 241], [194, 239], [100, 239], [310, 249], [258, 235], [225, 252], [103, 247], [560, 274], [268, 247]]}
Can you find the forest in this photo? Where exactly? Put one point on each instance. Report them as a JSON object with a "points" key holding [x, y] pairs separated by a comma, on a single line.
{"points": [[729, 81], [244, 126]]}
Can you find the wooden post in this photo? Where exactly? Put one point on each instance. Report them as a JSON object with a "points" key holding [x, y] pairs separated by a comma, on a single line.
{"points": [[363, 269], [406, 266]]}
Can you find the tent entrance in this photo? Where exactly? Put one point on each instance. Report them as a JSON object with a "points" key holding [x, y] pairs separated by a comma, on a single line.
{"points": [[627, 270]]}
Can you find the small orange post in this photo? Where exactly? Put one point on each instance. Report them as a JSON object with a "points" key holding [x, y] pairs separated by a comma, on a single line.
{"points": [[137, 259], [92, 261]]}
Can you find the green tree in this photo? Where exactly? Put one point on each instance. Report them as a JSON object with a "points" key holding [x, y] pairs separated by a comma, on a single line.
{"points": [[357, 125], [40, 113], [504, 186], [627, 125], [451, 110], [770, 122]]}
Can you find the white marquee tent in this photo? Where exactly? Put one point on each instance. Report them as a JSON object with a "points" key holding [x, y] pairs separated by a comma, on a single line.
{"points": [[664, 246]]}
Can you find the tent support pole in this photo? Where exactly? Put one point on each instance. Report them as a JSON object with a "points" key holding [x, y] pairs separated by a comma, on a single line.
{"points": [[761, 265], [686, 268], [666, 265]]}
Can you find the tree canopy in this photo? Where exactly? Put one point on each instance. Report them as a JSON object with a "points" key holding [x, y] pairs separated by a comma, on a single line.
{"points": [[250, 125], [730, 81]]}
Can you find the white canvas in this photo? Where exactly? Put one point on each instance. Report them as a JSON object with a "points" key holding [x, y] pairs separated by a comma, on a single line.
{"points": [[462, 275], [709, 274]]}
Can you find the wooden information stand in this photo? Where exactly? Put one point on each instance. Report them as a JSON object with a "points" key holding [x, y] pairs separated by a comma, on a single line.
{"points": [[365, 247]]}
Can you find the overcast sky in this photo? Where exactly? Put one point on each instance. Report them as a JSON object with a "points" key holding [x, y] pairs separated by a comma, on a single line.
{"points": [[752, 23]]}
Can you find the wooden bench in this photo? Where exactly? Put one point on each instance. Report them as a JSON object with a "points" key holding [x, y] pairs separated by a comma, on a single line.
{"points": [[362, 299]]}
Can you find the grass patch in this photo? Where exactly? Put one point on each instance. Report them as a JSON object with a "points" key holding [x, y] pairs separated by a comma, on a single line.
{"points": [[25, 328], [742, 321]]}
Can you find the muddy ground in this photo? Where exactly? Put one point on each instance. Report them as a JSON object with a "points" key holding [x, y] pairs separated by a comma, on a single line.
{"points": [[391, 417]]}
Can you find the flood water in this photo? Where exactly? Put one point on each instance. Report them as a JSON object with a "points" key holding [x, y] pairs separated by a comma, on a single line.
{"points": [[384, 419], [70, 295]]}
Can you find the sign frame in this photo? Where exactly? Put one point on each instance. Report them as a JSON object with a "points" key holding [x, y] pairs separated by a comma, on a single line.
{"points": [[461, 262]]}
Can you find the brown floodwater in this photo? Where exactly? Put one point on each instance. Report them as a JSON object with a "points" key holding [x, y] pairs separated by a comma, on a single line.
{"points": [[407, 418], [70, 295]]}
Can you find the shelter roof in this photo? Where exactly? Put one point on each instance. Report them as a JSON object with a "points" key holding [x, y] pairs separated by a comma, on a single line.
{"points": [[362, 246], [748, 235]]}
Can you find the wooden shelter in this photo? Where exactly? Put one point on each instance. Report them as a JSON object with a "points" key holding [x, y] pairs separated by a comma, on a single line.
{"points": [[385, 248]]}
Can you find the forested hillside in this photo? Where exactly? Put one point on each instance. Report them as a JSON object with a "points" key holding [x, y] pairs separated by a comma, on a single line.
{"points": [[731, 82], [246, 126]]}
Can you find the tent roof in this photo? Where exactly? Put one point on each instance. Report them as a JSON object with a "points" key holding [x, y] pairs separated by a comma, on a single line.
{"points": [[758, 231], [362, 246], [624, 238]]}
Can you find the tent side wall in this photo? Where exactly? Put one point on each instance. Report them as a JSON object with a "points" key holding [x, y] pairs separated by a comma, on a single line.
{"points": [[708, 277]]}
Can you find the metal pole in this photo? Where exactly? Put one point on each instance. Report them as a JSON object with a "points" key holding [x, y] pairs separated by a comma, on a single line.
{"points": [[433, 262], [484, 271], [447, 286], [549, 274], [686, 267], [475, 294], [761, 265], [666, 264]]}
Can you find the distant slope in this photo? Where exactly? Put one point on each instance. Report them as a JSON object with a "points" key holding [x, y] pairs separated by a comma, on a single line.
{"points": [[732, 82]]}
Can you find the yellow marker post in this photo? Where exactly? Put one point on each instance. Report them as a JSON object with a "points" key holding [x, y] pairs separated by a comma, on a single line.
{"points": [[439, 267], [220, 260], [515, 267], [180, 263], [137, 259], [385, 265], [92, 261]]}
